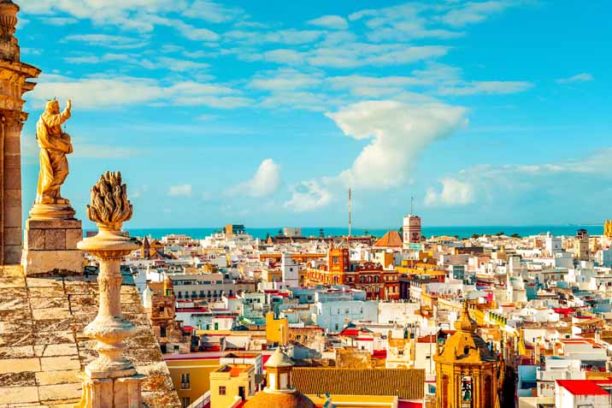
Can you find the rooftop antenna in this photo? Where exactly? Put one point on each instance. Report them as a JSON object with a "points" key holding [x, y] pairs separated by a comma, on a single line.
{"points": [[411, 205], [350, 212]]}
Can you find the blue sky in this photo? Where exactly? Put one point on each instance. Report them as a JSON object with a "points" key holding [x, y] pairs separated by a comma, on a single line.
{"points": [[264, 112]]}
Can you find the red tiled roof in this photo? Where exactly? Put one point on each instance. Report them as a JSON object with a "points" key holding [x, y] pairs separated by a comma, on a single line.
{"points": [[391, 239], [584, 387], [350, 332], [564, 310], [409, 404]]}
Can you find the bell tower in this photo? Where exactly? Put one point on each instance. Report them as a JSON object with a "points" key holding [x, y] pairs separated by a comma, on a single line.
{"points": [[469, 373], [14, 83]]}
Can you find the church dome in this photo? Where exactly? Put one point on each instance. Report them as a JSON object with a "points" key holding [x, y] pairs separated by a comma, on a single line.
{"points": [[465, 346]]}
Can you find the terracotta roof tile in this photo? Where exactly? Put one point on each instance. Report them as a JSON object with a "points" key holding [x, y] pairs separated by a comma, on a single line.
{"points": [[404, 383], [391, 239]]}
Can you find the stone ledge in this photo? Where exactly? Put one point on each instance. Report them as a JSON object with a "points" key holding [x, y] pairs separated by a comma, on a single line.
{"points": [[40, 262], [54, 224]]}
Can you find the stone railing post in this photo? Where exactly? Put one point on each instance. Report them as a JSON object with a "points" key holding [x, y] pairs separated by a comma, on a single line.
{"points": [[111, 380]]}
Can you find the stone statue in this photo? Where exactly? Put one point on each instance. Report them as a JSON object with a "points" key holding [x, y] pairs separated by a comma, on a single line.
{"points": [[54, 145]]}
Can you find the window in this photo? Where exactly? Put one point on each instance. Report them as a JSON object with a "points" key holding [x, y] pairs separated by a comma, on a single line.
{"points": [[222, 390], [185, 381], [185, 402]]}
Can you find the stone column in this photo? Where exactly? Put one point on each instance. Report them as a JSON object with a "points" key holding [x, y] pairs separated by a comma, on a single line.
{"points": [[111, 380], [13, 84]]}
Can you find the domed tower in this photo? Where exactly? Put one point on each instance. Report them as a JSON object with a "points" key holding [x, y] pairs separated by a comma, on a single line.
{"points": [[468, 371], [279, 391], [14, 76]]}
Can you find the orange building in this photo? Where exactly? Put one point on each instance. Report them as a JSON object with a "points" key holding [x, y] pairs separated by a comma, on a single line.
{"points": [[159, 302], [378, 283]]}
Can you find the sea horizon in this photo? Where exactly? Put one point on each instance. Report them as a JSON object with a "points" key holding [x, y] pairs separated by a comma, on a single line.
{"points": [[460, 231]]}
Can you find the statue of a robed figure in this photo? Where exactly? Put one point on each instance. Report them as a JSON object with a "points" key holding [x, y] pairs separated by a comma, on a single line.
{"points": [[54, 145], [52, 231]]}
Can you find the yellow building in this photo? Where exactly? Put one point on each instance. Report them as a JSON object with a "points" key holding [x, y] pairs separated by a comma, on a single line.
{"points": [[468, 374], [231, 383], [280, 391], [608, 228], [277, 330], [271, 275], [191, 377]]}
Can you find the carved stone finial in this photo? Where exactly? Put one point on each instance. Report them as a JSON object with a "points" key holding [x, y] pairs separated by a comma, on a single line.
{"points": [[110, 206], [9, 46]]}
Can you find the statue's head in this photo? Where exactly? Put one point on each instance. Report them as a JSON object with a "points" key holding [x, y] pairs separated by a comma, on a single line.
{"points": [[53, 107]]}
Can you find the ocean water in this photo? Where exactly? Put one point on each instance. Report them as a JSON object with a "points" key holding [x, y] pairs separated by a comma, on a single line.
{"points": [[461, 231]]}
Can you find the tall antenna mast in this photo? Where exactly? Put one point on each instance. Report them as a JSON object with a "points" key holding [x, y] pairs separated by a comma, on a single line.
{"points": [[411, 205], [350, 212]]}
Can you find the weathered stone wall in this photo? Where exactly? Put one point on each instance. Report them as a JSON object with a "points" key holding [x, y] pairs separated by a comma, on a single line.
{"points": [[13, 84]]}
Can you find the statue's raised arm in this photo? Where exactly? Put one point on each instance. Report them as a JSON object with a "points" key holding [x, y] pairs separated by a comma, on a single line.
{"points": [[54, 145]]}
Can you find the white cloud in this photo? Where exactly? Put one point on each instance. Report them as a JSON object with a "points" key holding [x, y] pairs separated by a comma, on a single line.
{"points": [[373, 87], [533, 193], [191, 32], [289, 36], [472, 12], [109, 41], [308, 196], [454, 192], [97, 59], [111, 92], [485, 87], [126, 14], [354, 55], [60, 21], [330, 21], [264, 182], [180, 190], [397, 132], [284, 56], [284, 79], [402, 22], [182, 65], [92, 93], [582, 77], [213, 12]]}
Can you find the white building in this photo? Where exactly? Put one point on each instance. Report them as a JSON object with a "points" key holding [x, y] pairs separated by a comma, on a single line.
{"points": [[290, 271], [553, 244], [333, 316], [583, 393], [412, 230]]}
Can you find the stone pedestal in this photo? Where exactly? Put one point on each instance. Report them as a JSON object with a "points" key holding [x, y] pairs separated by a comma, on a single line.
{"points": [[51, 245], [121, 392]]}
